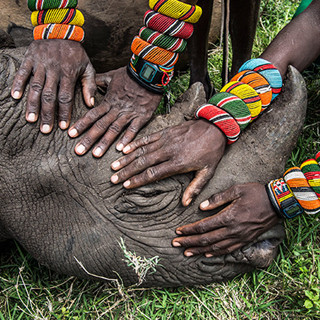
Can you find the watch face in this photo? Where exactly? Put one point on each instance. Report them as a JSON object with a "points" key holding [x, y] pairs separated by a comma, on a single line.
{"points": [[148, 72]]}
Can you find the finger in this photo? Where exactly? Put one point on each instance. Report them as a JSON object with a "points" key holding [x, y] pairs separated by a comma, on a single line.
{"points": [[216, 221], [34, 95], [48, 102], [89, 85], [95, 132], [88, 119], [130, 134], [144, 160], [201, 240], [142, 142], [196, 185], [21, 78], [220, 199], [104, 79], [151, 174], [114, 129], [66, 101], [216, 249]]}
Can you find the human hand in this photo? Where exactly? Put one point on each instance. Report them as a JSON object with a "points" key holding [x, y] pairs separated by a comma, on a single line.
{"points": [[248, 214], [125, 104], [195, 145], [54, 67]]}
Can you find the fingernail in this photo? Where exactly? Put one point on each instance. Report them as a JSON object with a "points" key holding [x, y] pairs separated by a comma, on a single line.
{"points": [[80, 149], [63, 125], [126, 184], [209, 255], [204, 204], [92, 101], [114, 179], [16, 95], [115, 165], [126, 149], [45, 128], [188, 202], [188, 254], [31, 117], [178, 232], [176, 244], [97, 152], [119, 147], [73, 132]]}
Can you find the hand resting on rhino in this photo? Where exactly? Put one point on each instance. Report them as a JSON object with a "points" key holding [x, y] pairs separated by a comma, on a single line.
{"points": [[65, 211]]}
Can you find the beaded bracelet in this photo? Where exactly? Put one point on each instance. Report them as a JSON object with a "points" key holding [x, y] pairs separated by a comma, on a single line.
{"points": [[35, 5], [167, 25], [234, 106], [58, 31], [222, 119], [247, 94], [302, 191], [258, 83], [163, 41], [177, 10], [311, 171], [58, 16], [282, 199], [267, 70]]}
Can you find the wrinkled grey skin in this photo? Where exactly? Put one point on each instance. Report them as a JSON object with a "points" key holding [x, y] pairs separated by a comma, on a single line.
{"points": [[60, 206]]}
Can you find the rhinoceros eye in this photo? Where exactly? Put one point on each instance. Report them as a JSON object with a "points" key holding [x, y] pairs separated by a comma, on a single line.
{"points": [[162, 196]]}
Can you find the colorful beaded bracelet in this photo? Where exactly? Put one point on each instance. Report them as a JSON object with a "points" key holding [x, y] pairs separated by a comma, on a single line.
{"points": [[58, 31], [176, 10], [302, 191], [234, 106], [163, 41], [36, 5], [247, 94], [282, 199], [58, 16], [267, 70], [167, 25], [311, 171], [258, 83], [222, 119], [152, 53]]}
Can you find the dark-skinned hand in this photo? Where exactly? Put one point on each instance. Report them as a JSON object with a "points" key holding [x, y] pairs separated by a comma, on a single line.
{"points": [[248, 214], [54, 67], [195, 145], [126, 107]]}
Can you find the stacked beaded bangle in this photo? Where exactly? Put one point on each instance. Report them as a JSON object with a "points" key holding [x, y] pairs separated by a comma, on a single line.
{"points": [[156, 50], [298, 191], [250, 92], [56, 19]]}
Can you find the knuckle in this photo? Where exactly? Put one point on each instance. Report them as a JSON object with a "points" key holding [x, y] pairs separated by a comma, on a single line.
{"points": [[141, 161], [101, 125], [151, 173], [23, 72], [36, 86], [65, 98], [201, 227], [86, 140], [48, 96], [115, 128], [204, 241]]}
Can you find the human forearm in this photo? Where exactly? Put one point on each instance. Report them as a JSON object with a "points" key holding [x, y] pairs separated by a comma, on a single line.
{"points": [[298, 43]]}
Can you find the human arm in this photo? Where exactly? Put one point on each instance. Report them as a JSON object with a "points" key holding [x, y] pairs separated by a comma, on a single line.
{"points": [[54, 62]]}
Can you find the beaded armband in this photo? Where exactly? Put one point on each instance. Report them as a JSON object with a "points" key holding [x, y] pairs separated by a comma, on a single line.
{"points": [[282, 199], [56, 19], [222, 119], [151, 76]]}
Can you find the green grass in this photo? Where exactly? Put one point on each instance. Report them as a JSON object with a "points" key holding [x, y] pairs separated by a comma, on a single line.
{"points": [[288, 289]]}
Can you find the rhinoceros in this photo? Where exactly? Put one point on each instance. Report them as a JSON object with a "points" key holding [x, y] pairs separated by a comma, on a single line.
{"points": [[66, 213]]}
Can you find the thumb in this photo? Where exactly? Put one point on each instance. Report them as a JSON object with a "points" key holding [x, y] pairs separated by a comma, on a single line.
{"points": [[104, 79], [196, 185], [89, 85]]}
